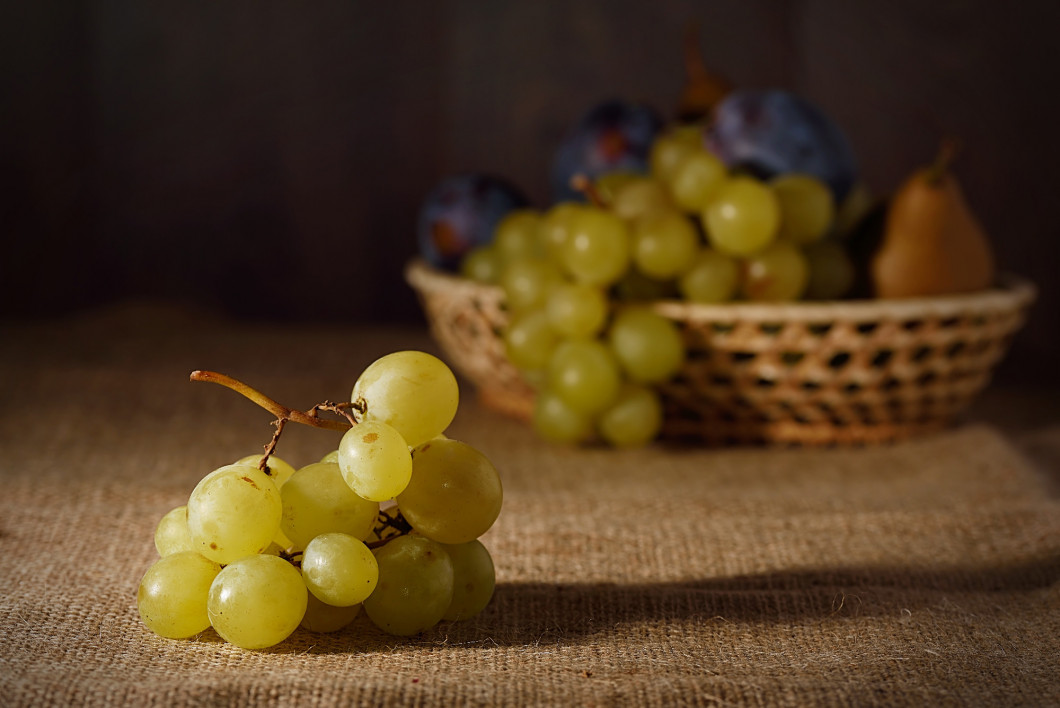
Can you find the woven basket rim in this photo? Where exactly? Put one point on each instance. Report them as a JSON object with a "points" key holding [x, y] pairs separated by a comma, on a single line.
{"points": [[1010, 292]]}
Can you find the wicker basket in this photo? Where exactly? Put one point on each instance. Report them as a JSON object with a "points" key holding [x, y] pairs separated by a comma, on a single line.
{"points": [[851, 372]]}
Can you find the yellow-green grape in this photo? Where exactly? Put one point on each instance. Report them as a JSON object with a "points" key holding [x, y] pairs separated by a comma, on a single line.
{"points": [[375, 461], [743, 217], [322, 617], [415, 586], [482, 264], [455, 493], [857, 204], [473, 580], [779, 273], [597, 250], [647, 345], [585, 374], [664, 244], [576, 310], [639, 197], [339, 569], [318, 500], [696, 180], [278, 470], [712, 278], [529, 340], [233, 512], [171, 534], [673, 146], [807, 208], [516, 237], [557, 422], [635, 286], [527, 283], [832, 272], [556, 227], [332, 456], [412, 391], [172, 594], [257, 601], [609, 184], [634, 419]]}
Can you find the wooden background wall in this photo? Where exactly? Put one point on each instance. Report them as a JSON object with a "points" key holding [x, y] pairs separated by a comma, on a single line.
{"points": [[267, 158]]}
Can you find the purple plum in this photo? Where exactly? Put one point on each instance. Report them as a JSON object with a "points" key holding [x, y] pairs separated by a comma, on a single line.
{"points": [[460, 213], [614, 136], [772, 132]]}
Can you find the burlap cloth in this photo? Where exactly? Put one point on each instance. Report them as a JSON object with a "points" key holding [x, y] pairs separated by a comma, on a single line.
{"points": [[919, 574]]}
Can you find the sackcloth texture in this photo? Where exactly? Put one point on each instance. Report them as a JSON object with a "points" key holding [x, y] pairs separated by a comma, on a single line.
{"points": [[922, 573]]}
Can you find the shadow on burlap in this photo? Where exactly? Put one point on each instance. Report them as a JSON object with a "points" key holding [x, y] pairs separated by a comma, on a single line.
{"points": [[925, 573]]}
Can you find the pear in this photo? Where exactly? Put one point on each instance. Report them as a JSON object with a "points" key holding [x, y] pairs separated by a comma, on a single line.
{"points": [[932, 243]]}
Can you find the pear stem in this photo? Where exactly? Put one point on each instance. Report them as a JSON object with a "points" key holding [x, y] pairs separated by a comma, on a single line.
{"points": [[948, 151]]}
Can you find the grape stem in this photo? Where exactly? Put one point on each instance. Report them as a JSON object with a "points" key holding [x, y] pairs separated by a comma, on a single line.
{"points": [[585, 185], [279, 410]]}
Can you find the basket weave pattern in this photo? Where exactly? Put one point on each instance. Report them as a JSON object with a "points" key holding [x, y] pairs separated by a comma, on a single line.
{"points": [[808, 373]]}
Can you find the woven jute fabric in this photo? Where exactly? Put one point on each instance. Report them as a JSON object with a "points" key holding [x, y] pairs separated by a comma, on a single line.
{"points": [[920, 573]]}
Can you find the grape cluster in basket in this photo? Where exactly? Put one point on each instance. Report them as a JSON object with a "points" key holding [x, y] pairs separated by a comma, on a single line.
{"points": [[389, 521]]}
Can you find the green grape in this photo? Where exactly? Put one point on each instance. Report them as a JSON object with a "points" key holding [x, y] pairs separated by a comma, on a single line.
{"points": [[415, 586], [742, 218], [778, 273], [473, 580], [807, 208], [233, 512], [528, 282], [339, 569], [332, 456], [557, 422], [585, 374], [712, 278], [517, 236], [257, 601], [556, 227], [375, 460], [412, 391], [609, 184], [670, 148], [278, 470], [482, 264], [634, 419], [664, 244], [637, 287], [647, 345], [322, 617], [172, 535], [597, 250], [172, 594], [318, 500], [455, 493], [696, 179], [639, 197], [529, 340], [831, 271], [858, 203], [575, 310]]}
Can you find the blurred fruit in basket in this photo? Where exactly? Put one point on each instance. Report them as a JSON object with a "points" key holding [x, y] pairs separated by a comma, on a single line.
{"points": [[614, 136], [774, 132], [462, 212], [932, 242]]}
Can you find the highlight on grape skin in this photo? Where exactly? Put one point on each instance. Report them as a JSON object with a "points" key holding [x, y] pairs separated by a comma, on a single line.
{"points": [[262, 548]]}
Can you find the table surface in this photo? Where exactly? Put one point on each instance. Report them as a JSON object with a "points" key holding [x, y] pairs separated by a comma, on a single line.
{"points": [[921, 573]]}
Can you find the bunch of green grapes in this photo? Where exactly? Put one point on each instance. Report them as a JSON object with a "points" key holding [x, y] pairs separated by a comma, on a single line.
{"points": [[389, 521], [577, 278]]}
